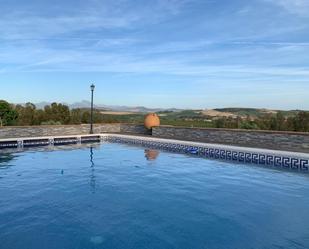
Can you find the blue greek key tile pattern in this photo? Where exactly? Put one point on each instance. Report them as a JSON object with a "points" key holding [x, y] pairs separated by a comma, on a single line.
{"points": [[258, 158]]}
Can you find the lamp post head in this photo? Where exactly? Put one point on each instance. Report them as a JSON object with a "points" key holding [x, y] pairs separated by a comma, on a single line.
{"points": [[92, 87]]}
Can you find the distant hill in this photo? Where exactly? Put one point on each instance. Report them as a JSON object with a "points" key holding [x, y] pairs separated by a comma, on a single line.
{"points": [[255, 112], [137, 109], [232, 112], [114, 108], [40, 105], [218, 113], [121, 108]]}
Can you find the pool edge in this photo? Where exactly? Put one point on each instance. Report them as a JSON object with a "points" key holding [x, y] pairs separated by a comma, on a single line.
{"points": [[265, 157]]}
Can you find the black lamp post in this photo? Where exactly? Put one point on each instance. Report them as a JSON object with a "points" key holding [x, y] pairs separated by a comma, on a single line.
{"points": [[91, 115]]}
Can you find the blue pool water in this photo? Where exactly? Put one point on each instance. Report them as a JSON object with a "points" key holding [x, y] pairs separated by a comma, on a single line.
{"points": [[118, 196]]}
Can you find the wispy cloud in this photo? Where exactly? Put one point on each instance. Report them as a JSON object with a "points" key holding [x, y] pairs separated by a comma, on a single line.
{"points": [[50, 60], [299, 7], [180, 38], [89, 16]]}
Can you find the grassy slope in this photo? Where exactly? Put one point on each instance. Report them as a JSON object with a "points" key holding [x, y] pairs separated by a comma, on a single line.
{"points": [[254, 112]]}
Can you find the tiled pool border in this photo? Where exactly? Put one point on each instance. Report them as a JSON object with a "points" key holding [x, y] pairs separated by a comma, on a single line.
{"points": [[271, 158]]}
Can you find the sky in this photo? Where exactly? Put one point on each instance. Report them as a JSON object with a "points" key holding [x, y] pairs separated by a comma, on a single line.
{"points": [[157, 53]]}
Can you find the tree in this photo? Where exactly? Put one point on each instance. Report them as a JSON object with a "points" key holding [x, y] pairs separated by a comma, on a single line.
{"points": [[278, 122], [8, 115], [97, 116], [301, 121], [290, 124], [58, 113], [40, 117], [220, 122], [249, 125], [26, 114], [76, 116], [86, 117]]}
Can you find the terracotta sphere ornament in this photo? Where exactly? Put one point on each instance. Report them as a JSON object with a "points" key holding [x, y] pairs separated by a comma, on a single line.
{"points": [[151, 120], [151, 155]]}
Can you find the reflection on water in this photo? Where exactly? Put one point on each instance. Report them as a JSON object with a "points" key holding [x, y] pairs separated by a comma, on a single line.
{"points": [[5, 158], [92, 176], [151, 154]]}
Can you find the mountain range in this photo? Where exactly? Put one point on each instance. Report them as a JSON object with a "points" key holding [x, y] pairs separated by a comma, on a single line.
{"points": [[219, 112], [87, 104]]}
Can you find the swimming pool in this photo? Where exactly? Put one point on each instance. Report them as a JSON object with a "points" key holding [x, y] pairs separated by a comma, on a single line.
{"points": [[110, 195]]}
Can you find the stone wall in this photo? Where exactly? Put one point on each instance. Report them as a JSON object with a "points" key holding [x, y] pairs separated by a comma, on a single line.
{"points": [[59, 130], [288, 141], [134, 129]]}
